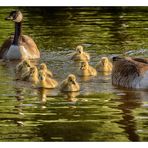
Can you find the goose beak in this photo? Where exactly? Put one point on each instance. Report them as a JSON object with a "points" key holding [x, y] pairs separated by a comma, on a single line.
{"points": [[8, 18]]}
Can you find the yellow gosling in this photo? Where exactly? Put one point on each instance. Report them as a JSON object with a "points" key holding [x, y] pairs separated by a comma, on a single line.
{"points": [[22, 68], [86, 70], [31, 76], [104, 65], [130, 72], [70, 84], [80, 55], [45, 81], [44, 68]]}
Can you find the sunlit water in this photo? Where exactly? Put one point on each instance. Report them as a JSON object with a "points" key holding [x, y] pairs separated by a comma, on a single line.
{"points": [[100, 111]]}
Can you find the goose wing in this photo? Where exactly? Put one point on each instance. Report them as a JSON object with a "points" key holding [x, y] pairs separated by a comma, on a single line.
{"points": [[5, 46], [30, 45]]}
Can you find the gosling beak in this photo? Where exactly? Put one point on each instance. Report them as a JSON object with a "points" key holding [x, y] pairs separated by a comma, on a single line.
{"points": [[82, 67], [80, 52], [103, 62], [73, 82]]}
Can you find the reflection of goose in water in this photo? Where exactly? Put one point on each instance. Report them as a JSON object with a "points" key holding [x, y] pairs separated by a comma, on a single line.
{"points": [[19, 106], [129, 102], [130, 72], [18, 46], [80, 55]]}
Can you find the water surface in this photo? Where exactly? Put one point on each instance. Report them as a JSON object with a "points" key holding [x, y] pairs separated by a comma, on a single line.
{"points": [[100, 111]]}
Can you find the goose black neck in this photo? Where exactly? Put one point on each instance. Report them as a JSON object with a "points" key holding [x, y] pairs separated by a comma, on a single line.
{"points": [[18, 32]]}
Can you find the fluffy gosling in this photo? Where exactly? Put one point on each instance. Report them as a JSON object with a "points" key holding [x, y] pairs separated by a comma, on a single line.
{"points": [[104, 65], [43, 67], [22, 68], [31, 76], [80, 55], [86, 70], [45, 81], [70, 84]]}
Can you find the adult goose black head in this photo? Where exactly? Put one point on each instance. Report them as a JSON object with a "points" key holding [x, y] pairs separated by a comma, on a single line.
{"points": [[18, 46], [15, 16]]}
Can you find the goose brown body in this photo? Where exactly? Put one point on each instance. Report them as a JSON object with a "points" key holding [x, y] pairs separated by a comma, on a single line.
{"points": [[130, 72], [18, 46]]}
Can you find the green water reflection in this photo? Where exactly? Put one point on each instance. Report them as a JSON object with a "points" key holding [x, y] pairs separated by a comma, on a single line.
{"points": [[100, 112]]}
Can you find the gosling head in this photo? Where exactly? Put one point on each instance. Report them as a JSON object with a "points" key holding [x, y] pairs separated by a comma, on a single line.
{"points": [[43, 66], [84, 65], [71, 78], [42, 76], [79, 49], [33, 70], [104, 60], [26, 63], [15, 16]]}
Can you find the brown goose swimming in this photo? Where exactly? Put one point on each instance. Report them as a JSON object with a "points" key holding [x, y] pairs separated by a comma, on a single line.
{"points": [[19, 46], [130, 72]]}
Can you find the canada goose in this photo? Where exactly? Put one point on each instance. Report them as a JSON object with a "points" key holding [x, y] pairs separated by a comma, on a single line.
{"points": [[86, 70], [43, 67], [22, 67], [45, 81], [31, 75], [18, 46], [70, 84], [80, 55], [104, 65], [130, 72]]}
